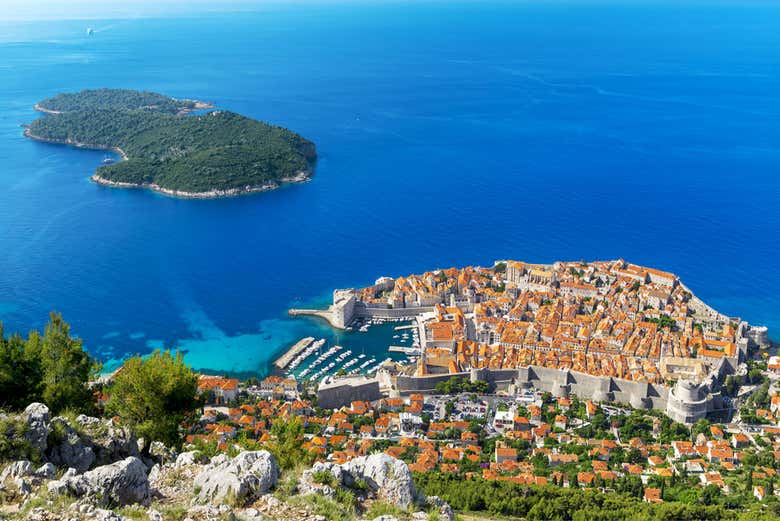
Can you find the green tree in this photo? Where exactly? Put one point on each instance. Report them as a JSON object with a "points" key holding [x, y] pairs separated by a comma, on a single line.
{"points": [[287, 443], [154, 395], [20, 371], [66, 367]]}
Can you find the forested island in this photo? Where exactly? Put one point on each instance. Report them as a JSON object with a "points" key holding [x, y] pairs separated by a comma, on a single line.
{"points": [[166, 148]]}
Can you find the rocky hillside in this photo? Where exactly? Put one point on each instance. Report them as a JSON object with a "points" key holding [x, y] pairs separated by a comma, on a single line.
{"points": [[87, 468]]}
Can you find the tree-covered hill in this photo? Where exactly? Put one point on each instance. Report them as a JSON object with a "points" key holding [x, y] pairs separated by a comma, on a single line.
{"points": [[115, 99], [217, 153]]}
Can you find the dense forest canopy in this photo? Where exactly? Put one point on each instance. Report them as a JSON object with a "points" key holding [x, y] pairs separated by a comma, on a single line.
{"points": [[218, 150], [115, 99]]}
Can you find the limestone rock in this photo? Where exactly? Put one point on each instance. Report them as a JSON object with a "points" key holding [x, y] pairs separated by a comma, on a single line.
{"points": [[248, 475], [444, 509], [211, 513], [69, 450], [309, 485], [189, 458], [121, 483], [109, 442], [17, 469], [36, 416], [46, 471], [389, 478], [160, 453], [57, 488]]}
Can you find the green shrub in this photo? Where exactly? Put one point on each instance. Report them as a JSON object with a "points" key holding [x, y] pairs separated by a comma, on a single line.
{"points": [[322, 506], [382, 508], [323, 477], [13, 445]]}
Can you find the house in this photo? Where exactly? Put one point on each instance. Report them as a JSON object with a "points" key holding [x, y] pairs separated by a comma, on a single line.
{"points": [[773, 364], [758, 492], [739, 440], [720, 455], [655, 461], [695, 466], [652, 495], [505, 454], [278, 386], [683, 448], [713, 478], [590, 409], [392, 404], [382, 425], [561, 459], [584, 479], [775, 404], [218, 389], [504, 421]]}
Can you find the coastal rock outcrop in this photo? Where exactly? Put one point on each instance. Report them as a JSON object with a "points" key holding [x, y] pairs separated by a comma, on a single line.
{"points": [[248, 475]]}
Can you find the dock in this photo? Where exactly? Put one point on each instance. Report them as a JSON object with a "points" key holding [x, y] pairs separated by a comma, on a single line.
{"points": [[404, 349], [284, 360], [324, 314], [411, 326]]}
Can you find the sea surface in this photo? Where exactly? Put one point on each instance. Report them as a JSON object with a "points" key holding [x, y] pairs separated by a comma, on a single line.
{"points": [[448, 134]]}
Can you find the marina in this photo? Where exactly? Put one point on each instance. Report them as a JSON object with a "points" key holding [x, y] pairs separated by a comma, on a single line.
{"points": [[354, 352], [283, 361]]}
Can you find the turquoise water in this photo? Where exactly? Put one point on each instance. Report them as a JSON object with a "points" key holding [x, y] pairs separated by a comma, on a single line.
{"points": [[448, 134]]}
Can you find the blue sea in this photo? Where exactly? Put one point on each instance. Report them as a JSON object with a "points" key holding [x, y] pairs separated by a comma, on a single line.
{"points": [[449, 133]]}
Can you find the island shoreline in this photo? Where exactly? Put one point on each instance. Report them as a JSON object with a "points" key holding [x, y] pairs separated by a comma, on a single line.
{"points": [[198, 105], [300, 177]]}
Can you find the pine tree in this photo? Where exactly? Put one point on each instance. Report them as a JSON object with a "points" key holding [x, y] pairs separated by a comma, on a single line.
{"points": [[66, 367], [155, 395]]}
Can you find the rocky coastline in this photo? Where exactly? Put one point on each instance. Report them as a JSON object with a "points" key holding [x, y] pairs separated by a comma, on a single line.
{"points": [[28, 134], [300, 177]]}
